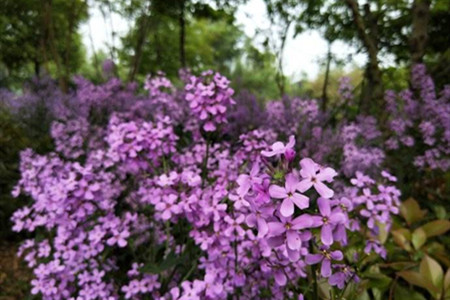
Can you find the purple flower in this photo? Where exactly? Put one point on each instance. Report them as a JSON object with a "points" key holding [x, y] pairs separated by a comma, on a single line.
{"points": [[325, 258], [342, 276], [258, 218], [279, 148], [287, 231], [314, 176], [289, 195], [119, 238], [234, 226], [327, 220]]}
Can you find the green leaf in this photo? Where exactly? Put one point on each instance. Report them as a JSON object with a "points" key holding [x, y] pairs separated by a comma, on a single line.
{"points": [[170, 261], [383, 233], [410, 210], [440, 212], [402, 293], [437, 227], [417, 279], [447, 281], [402, 237], [418, 238], [363, 296], [432, 271], [378, 280]]}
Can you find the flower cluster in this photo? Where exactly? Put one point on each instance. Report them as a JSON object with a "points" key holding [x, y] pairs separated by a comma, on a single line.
{"points": [[140, 200], [420, 116], [209, 96]]}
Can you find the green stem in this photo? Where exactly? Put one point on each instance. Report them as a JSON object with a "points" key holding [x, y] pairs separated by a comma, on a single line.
{"points": [[205, 165], [314, 275]]}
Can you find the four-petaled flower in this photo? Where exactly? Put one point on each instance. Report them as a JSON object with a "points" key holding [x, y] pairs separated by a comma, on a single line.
{"points": [[289, 195], [328, 220], [313, 175]]}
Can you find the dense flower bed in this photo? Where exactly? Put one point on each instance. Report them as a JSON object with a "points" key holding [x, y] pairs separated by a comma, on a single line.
{"points": [[194, 193]]}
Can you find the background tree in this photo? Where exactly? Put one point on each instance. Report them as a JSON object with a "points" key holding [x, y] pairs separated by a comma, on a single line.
{"points": [[40, 35], [380, 28]]}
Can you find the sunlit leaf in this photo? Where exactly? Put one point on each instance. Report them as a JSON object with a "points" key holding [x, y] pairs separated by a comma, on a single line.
{"points": [[418, 238], [432, 271]]}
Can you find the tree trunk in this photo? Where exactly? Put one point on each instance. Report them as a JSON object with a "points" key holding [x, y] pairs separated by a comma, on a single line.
{"points": [[50, 35], [326, 79], [182, 42], [419, 34], [372, 95], [142, 35], [279, 77], [37, 68]]}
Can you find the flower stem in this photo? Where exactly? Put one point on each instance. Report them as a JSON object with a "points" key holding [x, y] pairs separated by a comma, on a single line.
{"points": [[315, 292]]}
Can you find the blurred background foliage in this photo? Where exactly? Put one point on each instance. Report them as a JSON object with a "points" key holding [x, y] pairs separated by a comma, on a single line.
{"points": [[41, 38]]}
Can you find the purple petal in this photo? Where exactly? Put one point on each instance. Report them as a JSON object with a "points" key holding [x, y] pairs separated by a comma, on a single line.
{"points": [[278, 147], [263, 228], [337, 218], [323, 190], [312, 259], [326, 174], [337, 279], [276, 228], [293, 240], [324, 207], [209, 126], [277, 192], [287, 208], [308, 167], [304, 185], [316, 221], [326, 235], [251, 220], [275, 241], [301, 201], [291, 142], [291, 182], [268, 153], [302, 222], [280, 278], [325, 270], [337, 255], [293, 255]]}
